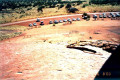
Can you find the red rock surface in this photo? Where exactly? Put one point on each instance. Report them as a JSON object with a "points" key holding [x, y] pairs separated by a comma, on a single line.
{"points": [[44, 55]]}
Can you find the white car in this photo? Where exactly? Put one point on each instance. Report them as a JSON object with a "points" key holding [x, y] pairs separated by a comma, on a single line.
{"points": [[50, 22], [69, 20], [60, 21], [56, 21], [78, 19], [74, 19], [30, 25], [38, 20], [34, 24], [64, 20]]}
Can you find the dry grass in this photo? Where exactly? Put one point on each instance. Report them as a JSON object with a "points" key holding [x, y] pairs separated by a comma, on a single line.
{"points": [[99, 8], [29, 14], [4, 36], [11, 31], [23, 13], [14, 28]]}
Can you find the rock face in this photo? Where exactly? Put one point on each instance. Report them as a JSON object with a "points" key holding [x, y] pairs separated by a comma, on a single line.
{"points": [[46, 61], [105, 45]]}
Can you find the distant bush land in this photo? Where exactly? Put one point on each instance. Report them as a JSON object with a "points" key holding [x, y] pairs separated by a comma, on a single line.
{"points": [[15, 10]]}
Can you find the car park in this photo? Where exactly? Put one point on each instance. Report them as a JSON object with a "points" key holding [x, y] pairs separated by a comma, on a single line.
{"points": [[50, 22], [56, 21]]}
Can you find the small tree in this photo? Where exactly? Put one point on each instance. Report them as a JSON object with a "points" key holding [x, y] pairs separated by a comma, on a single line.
{"points": [[0, 8], [73, 10], [84, 5], [86, 16], [62, 5], [68, 6], [40, 8]]}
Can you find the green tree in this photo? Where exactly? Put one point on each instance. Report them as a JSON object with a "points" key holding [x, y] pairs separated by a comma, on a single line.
{"points": [[40, 8], [68, 6], [61, 6]]}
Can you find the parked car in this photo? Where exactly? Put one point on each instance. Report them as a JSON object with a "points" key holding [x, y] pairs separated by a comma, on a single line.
{"points": [[104, 15], [64, 20], [30, 25], [74, 19], [55, 21], [117, 14], [78, 19], [111, 13], [34, 24], [42, 23], [60, 21], [113, 16], [38, 20], [50, 22], [109, 16], [85, 17], [69, 20], [100, 16], [95, 16]]}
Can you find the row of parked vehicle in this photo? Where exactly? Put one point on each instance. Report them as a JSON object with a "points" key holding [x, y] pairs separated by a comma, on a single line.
{"points": [[35, 24], [55, 21], [104, 15], [64, 20]]}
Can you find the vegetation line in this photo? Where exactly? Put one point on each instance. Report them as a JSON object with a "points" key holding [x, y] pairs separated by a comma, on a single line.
{"points": [[17, 10]]}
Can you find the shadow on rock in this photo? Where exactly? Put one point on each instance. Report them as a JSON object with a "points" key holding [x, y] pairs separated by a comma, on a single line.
{"points": [[111, 69]]}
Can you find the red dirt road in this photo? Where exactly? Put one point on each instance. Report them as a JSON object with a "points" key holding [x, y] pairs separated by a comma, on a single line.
{"points": [[47, 19]]}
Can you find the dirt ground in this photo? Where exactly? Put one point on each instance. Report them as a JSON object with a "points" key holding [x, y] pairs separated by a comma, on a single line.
{"points": [[41, 53]]}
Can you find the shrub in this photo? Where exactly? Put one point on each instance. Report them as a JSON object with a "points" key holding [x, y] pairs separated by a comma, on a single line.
{"points": [[73, 4], [73, 10], [78, 3], [88, 16], [21, 16], [29, 8], [40, 8], [22, 11], [68, 6], [62, 5], [54, 24], [84, 5], [85, 14]]}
